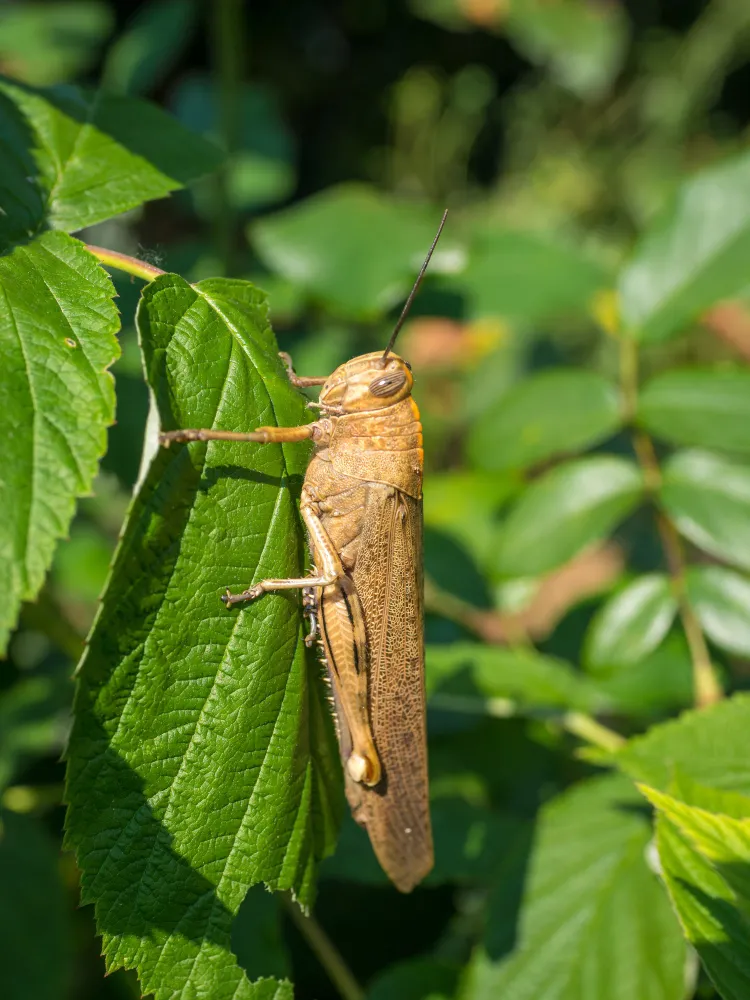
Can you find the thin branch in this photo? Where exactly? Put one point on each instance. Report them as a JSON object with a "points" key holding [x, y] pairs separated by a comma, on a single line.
{"points": [[706, 688], [121, 262], [325, 951]]}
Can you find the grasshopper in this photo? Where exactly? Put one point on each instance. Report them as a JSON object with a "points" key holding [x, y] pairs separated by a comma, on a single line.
{"points": [[361, 504]]}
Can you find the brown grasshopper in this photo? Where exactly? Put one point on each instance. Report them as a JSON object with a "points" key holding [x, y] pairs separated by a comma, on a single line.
{"points": [[362, 506]]}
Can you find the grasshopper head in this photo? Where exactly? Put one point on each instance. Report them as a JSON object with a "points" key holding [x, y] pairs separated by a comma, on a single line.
{"points": [[369, 382]]}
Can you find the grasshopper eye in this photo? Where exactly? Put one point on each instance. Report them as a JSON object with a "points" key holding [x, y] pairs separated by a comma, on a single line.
{"points": [[388, 385]]}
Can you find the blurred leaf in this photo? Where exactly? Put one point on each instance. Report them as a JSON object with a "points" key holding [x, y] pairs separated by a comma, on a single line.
{"points": [[351, 247], [710, 409], [46, 43], [418, 979], [57, 339], [708, 498], [696, 254], [661, 680], [175, 690], [582, 43], [465, 504], [256, 935], [82, 563], [565, 510], [33, 720], [34, 919], [470, 844], [524, 277], [709, 746], [721, 600], [150, 45], [547, 414], [703, 858], [591, 908], [526, 677], [76, 159], [261, 169], [631, 624]]}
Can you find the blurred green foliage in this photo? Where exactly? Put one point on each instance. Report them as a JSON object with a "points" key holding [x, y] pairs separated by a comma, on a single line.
{"points": [[580, 349]]}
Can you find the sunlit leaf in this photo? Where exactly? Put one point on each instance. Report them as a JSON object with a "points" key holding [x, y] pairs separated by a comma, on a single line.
{"points": [[631, 624], [721, 600], [552, 413], [705, 859], [709, 745], [708, 498], [74, 159], [350, 247], [696, 254], [57, 339], [591, 908], [705, 408], [568, 508], [202, 758]]}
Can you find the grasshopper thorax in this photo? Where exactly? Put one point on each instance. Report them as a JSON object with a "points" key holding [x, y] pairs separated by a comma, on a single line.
{"points": [[369, 382]]}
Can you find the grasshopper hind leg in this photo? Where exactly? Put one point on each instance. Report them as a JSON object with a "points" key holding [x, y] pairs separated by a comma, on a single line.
{"points": [[310, 610]]}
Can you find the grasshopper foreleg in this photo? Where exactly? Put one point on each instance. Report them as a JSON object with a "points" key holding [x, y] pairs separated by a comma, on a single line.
{"points": [[299, 380]]}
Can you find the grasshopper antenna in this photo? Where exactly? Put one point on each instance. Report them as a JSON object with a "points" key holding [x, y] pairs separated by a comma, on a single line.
{"points": [[415, 289]]}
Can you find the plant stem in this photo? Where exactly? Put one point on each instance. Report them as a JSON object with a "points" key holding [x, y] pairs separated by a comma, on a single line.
{"points": [[593, 732], [706, 688], [121, 261], [228, 53], [324, 950]]}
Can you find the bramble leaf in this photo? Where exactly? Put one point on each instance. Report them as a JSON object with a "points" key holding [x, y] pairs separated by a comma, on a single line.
{"points": [[202, 757], [590, 906], [57, 339], [74, 159]]}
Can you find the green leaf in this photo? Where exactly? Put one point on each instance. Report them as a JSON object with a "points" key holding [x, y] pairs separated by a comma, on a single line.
{"points": [[704, 858], [548, 414], [582, 44], [525, 278], [417, 979], [152, 42], [661, 680], [708, 498], [354, 249], [696, 254], [631, 624], [591, 908], [34, 918], [202, 759], [721, 600], [710, 746], [45, 43], [57, 339], [709, 409], [33, 721], [527, 678], [565, 510], [76, 159], [464, 506]]}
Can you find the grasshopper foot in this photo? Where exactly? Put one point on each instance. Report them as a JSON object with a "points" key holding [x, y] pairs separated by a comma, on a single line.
{"points": [[247, 595]]}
